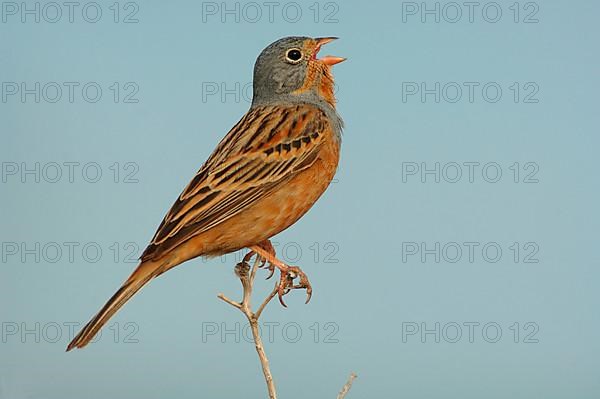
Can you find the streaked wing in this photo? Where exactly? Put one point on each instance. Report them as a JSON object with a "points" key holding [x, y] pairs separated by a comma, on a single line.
{"points": [[268, 146]]}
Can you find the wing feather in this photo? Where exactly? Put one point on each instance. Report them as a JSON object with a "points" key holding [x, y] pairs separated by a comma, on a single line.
{"points": [[268, 146]]}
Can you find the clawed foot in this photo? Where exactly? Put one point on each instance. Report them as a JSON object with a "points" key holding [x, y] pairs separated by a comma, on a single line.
{"points": [[266, 246], [286, 282], [288, 273]]}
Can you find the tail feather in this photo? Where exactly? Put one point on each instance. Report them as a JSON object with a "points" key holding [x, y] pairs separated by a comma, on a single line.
{"points": [[142, 274]]}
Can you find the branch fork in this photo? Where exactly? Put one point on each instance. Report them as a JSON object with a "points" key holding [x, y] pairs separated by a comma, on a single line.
{"points": [[246, 274]]}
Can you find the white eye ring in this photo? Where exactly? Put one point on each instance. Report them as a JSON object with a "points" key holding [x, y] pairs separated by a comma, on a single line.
{"points": [[293, 55]]}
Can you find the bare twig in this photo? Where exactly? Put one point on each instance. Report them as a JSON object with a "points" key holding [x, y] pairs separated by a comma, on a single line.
{"points": [[346, 388], [229, 301], [246, 275], [247, 278], [265, 302]]}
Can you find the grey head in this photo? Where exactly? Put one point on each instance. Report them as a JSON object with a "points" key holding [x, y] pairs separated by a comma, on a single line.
{"points": [[287, 71]]}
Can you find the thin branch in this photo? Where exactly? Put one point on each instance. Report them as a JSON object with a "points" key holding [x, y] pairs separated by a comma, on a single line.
{"points": [[264, 362], [265, 302], [346, 388], [229, 301], [242, 270]]}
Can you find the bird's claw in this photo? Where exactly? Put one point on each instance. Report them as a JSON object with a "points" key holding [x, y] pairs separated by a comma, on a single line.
{"points": [[271, 272], [288, 273], [286, 283], [270, 267], [248, 257]]}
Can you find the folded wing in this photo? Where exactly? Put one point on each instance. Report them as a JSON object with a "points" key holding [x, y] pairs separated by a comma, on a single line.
{"points": [[267, 147]]}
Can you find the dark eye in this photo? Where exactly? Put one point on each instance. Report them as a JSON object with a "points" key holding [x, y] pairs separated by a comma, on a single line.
{"points": [[293, 55]]}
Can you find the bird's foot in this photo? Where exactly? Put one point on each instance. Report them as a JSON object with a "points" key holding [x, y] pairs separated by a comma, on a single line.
{"points": [[266, 246], [288, 273], [270, 250], [286, 282]]}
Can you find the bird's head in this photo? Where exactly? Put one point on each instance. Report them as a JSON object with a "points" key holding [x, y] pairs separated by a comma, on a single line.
{"points": [[289, 69]]}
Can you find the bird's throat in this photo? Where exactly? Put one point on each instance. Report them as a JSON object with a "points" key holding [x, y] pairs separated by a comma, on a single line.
{"points": [[318, 82], [326, 86]]}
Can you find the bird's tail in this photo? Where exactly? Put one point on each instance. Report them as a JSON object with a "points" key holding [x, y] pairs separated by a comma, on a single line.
{"points": [[141, 275]]}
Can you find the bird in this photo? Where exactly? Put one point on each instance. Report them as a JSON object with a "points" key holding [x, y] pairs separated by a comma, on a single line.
{"points": [[263, 176]]}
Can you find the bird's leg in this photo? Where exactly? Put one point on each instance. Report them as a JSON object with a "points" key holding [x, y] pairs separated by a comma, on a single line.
{"points": [[267, 246], [288, 273]]}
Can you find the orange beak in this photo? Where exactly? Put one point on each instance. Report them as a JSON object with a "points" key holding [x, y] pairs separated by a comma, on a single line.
{"points": [[328, 59]]}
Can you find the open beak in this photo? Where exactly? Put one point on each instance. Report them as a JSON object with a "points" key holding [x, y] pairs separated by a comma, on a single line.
{"points": [[328, 59]]}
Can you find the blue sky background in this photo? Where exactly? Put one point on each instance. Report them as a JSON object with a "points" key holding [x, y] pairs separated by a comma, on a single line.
{"points": [[369, 245]]}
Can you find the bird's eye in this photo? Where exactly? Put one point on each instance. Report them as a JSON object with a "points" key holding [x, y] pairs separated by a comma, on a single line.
{"points": [[293, 56]]}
